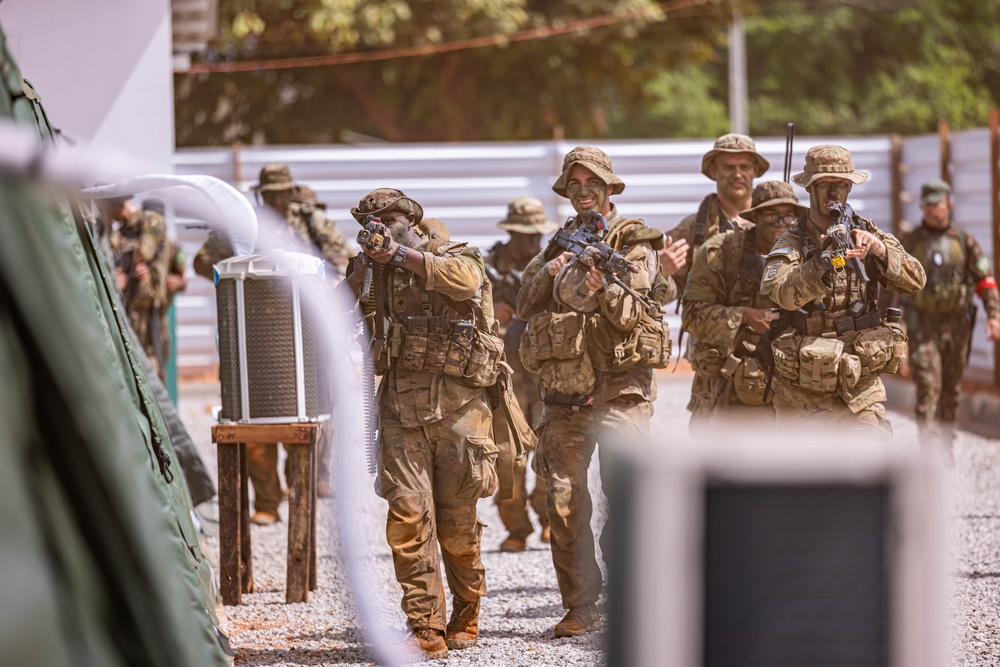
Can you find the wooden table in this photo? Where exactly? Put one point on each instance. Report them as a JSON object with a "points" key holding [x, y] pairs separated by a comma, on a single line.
{"points": [[301, 441]]}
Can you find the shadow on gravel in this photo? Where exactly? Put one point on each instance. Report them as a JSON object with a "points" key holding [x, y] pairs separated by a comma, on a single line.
{"points": [[522, 590], [553, 611], [346, 656]]}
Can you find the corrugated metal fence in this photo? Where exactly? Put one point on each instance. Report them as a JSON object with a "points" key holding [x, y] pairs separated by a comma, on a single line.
{"points": [[468, 187]]}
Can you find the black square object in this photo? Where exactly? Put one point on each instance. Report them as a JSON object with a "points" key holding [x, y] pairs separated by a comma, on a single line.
{"points": [[796, 576]]}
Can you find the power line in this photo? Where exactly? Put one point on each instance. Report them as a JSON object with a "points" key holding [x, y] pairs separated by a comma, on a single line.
{"points": [[432, 49]]}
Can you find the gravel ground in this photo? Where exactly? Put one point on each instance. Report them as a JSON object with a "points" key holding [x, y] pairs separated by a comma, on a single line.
{"points": [[523, 602]]}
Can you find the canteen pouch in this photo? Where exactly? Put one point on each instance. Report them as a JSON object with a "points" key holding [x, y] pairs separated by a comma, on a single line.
{"points": [[899, 350], [749, 382], [874, 348], [819, 361], [549, 336], [849, 372]]}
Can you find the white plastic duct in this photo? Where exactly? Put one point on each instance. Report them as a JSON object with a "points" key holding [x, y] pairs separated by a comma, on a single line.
{"points": [[206, 198]]}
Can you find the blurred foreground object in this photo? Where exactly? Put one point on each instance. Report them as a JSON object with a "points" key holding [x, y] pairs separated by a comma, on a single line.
{"points": [[749, 552]]}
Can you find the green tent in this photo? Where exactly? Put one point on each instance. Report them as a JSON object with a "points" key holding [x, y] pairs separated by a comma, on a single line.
{"points": [[100, 563]]}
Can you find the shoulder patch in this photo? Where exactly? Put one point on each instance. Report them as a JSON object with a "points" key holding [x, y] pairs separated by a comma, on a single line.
{"points": [[983, 264], [772, 272]]}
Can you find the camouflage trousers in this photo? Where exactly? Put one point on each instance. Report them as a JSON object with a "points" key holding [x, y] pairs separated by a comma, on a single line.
{"points": [[937, 359], [788, 409], [262, 464], [514, 512], [432, 476], [566, 442]]}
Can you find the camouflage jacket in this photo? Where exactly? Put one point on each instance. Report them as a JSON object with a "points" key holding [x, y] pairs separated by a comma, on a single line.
{"points": [[688, 229], [454, 274], [308, 230], [615, 306], [794, 277], [956, 268], [725, 280]]}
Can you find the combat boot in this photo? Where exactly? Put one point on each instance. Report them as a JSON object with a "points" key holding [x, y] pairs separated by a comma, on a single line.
{"points": [[421, 645], [463, 628], [513, 544], [579, 621], [546, 535]]}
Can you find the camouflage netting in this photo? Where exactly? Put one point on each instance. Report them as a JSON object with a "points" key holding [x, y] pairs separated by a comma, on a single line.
{"points": [[101, 561]]}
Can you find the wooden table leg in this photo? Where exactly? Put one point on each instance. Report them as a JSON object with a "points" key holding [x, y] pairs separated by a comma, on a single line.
{"points": [[299, 520], [314, 459], [229, 523], [246, 558]]}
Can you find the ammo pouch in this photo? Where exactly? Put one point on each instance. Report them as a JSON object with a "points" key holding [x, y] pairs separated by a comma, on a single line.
{"points": [[706, 360], [553, 346], [434, 344], [785, 349], [647, 345], [899, 349], [384, 360], [875, 348], [749, 381], [819, 362]]}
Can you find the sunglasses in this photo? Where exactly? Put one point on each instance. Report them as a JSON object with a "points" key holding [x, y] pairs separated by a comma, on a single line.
{"points": [[787, 219]]}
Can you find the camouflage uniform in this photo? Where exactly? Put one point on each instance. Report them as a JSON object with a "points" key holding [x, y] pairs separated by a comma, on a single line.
{"points": [[437, 455], [525, 215], [725, 280], [143, 238], [940, 317], [620, 403], [696, 229], [795, 277]]}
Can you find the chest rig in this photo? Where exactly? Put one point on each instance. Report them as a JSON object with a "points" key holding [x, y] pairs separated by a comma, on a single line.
{"points": [[945, 261]]}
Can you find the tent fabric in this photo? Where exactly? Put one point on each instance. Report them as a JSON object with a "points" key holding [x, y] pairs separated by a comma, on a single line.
{"points": [[102, 563]]}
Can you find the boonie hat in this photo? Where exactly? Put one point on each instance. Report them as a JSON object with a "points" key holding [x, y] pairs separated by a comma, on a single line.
{"points": [[932, 192], [735, 143], [526, 215], [593, 159], [828, 161], [772, 193], [386, 200], [274, 177]]}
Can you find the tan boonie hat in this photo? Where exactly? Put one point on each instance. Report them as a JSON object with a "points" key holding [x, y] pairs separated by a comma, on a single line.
{"points": [[735, 143], [772, 193], [274, 177], [306, 195], [828, 161], [385, 200], [526, 215], [593, 159]]}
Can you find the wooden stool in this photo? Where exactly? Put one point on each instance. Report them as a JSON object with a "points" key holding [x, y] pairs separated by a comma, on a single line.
{"points": [[235, 564]]}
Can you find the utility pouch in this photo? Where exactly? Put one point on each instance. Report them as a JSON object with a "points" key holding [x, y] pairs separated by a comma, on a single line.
{"points": [[874, 348], [749, 382], [552, 336], [653, 344], [849, 372], [415, 344], [706, 360], [648, 344], [785, 349], [899, 349], [485, 359], [575, 377], [460, 349], [819, 361]]}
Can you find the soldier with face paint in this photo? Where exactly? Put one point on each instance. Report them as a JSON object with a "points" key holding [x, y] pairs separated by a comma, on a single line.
{"points": [[829, 355], [437, 455], [939, 318], [575, 321], [723, 306]]}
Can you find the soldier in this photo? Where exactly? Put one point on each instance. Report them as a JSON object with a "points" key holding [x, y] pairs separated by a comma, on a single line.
{"points": [[149, 270], [437, 455], [830, 346], [307, 230], [732, 163], [576, 324], [940, 318], [723, 306], [526, 222]]}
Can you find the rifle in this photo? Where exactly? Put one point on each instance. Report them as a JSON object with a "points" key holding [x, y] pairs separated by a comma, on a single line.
{"points": [[789, 136], [587, 243], [505, 287], [839, 240], [374, 235]]}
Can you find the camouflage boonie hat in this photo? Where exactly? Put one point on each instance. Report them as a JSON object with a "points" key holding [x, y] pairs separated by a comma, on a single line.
{"points": [[385, 200], [306, 195], [526, 215], [735, 143], [828, 161], [932, 192], [593, 159], [274, 177], [772, 193]]}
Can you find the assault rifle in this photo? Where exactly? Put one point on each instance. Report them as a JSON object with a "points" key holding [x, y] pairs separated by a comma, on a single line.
{"points": [[505, 287], [587, 243], [839, 240], [126, 262]]}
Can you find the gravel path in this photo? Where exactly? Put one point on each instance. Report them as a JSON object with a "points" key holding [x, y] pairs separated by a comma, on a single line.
{"points": [[523, 602]]}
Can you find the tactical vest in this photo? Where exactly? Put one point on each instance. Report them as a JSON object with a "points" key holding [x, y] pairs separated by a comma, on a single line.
{"points": [[945, 260]]}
